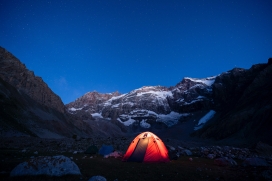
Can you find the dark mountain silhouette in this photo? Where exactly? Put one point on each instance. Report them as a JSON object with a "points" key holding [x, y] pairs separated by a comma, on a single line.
{"points": [[244, 105]]}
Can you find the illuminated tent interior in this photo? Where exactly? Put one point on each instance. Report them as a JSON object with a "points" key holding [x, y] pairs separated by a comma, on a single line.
{"points": [[146, 147]]}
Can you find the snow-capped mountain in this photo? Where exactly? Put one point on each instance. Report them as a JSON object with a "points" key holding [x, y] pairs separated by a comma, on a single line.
{"points": [[91, 102], [148, 105], [234, 105]]}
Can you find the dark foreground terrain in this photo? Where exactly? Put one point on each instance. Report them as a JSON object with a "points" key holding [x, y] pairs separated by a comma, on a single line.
{"points": [[112, 169], [192, 167]]}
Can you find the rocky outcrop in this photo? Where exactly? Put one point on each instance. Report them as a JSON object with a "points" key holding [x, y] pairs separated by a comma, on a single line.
{"points": [[90, 102], [20, 115], [28, 107], [243, 99], [46, 165], [192, 94], [153, 98], [230, 86], [16, 74]]}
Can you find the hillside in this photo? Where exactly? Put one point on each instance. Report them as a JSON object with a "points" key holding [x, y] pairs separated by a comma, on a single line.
{"points": [[232, 107]]}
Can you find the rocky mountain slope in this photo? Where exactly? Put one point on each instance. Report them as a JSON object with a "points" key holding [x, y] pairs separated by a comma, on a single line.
{"points": [[148, 106], [16, 74], [235, 104], [28, 107], [243, 103], [23, 116]]}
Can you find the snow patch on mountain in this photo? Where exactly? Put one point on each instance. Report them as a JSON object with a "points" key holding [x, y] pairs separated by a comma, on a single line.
{"points": [[133, 115], [208, 81], [109, 102], [144, 124], [158, 94], [128, 122], [129, 103], [115, 105], [170, 119], [75, 109], [143, 115], [97, 115], [197, 99], [142, 112], [197, 85], [204, 119]]}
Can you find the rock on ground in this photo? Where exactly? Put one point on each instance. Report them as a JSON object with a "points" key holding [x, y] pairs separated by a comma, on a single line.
{"points": [[267, 174], [255, 162], [97, 178], [224, 161], [47, 165]]}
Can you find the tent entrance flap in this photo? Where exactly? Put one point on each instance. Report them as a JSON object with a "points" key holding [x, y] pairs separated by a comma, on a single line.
{"points": [[139, 152]]}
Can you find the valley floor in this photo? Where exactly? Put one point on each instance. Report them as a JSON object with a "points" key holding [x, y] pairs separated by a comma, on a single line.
{"points": [[16, 150]]}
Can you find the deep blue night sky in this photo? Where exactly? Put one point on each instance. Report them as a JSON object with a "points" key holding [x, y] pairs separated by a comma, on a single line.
{"points": [[78, 46]]}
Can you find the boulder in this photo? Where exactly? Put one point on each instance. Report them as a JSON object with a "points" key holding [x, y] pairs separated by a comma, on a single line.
{"points": [[211, 156], [97, 178], [224, 161], [46, 165], [170, 148], [267, 174], [188, 152], [255, 162], [263, 149]]}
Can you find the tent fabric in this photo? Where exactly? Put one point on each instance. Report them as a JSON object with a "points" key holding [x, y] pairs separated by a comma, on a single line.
{"points": [[105, 150], [146, 147], [139, 151], [91, 150]]}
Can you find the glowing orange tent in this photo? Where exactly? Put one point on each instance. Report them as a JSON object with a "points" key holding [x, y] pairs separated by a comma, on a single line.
{"points": [[146, 147]]}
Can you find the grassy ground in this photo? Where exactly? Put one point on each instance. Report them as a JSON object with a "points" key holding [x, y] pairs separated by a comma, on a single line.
{"points": [[114, 168]]}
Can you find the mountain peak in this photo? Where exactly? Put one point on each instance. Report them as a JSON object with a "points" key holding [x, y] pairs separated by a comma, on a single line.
{"points": [[15, 73]]}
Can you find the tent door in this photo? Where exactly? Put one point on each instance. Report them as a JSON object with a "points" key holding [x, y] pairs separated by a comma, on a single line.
{"points": [[139, 151]]}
